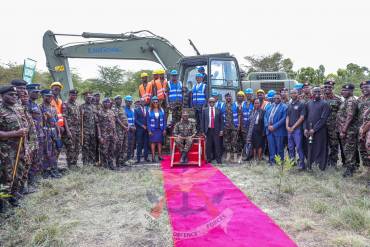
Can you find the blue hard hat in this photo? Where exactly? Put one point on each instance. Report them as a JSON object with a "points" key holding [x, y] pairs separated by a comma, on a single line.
{"points": [[201, 68], [271, 94], [248, 91], [298, 86], [128, 98], [174, 72], [214, 94], [199, 75]]}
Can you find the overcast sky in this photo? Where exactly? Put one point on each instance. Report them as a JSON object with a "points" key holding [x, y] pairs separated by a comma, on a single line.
{"points": [[314, 32]]}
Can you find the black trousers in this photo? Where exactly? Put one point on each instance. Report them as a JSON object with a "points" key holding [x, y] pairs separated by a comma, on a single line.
{"points": [[213, 145]]}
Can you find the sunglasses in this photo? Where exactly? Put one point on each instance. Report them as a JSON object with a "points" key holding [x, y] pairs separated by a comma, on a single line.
{"points": [[155, 102]]}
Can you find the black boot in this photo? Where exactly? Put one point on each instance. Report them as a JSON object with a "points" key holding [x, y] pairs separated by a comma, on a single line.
{"points": [[348, 173]]}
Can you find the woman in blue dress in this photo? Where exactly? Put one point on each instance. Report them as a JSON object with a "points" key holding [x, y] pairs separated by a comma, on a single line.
{"points": [[156, 122]]}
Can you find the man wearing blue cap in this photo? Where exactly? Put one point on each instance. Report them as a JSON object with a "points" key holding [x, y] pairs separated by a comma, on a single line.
{"points": [[202, 71], [199, 97], [52, 134], [175, 97], [130, 115]]}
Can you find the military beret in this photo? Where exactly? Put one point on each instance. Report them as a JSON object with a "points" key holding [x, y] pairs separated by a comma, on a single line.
{"points": [[96, 94], [73, 91], [118, 97], [363, 83], [349, 86], [86, 92], [106, 99], [18, 82], [228, 94], [284, 89], [46, 92], [7, 88], [306, 84]]}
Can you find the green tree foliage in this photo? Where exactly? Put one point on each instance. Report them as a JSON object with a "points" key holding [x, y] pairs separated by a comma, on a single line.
{"points": [[309, 74], [274, 62]]}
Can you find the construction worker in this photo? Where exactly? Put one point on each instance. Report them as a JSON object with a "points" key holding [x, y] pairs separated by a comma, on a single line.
{"points": [[145, 88], [175, 97], [202, 71], [261, 97], [198, 98], [57, 102], [130, 115]]}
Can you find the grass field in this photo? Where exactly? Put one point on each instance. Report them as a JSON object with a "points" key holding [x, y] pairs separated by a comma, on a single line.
{"points": [[95, 207]]}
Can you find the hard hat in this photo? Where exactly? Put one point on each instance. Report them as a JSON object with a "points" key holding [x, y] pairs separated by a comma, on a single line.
{"points": [[56, 83], [161, 72], [156, 72], [214, 94], [271, 94], [174, 72], [298, 86], [128, 98], [154, 98], [201, 68], [248, 91], [199, 75], [143, 75], [241, 93], [260, 91]]}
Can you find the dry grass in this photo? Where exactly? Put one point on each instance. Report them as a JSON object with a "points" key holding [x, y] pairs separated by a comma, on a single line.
{"points": [[95, 207], [316, 209]]}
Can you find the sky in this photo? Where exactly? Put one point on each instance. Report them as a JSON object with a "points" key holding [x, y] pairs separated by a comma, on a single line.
{"points": [[314, 32]]}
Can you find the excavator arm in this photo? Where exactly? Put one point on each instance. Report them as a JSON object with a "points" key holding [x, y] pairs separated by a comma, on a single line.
{"points": [[142, 45]]}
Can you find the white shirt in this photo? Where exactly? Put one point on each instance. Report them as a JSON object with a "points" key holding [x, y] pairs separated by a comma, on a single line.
{"points": [[210, 114]]}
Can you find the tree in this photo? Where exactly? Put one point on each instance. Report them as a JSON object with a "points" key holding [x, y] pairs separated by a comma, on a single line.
{"points": [[311, 75], [274, 62], [110, 78]]}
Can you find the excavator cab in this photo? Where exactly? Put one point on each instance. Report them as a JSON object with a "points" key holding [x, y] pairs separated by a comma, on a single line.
{"points": [[222, 72]]}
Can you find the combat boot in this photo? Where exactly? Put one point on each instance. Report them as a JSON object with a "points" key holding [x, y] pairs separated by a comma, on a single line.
{"points": [[186, 159], [348, 173]]}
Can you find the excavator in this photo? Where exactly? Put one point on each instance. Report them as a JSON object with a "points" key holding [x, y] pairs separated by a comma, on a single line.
{"points": [[222, 69]]}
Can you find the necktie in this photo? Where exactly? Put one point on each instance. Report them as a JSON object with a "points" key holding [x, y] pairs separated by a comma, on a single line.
{"points": [[212, 118]]}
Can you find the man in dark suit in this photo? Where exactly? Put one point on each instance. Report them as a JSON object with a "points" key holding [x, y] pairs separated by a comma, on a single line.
{"points": [[212, 125], [142, 136]]}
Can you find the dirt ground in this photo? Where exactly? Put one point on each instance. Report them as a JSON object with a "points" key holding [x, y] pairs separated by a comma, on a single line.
{"points": [[96, 207]]}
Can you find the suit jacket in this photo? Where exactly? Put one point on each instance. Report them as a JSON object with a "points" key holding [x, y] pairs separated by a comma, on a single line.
{"points": [[219, 121], [278, 121], [140, 118]]}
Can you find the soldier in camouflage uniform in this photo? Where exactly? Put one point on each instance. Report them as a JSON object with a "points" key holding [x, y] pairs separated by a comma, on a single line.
{"points": [[88, 115], [347, 124], [364, 136], [52, 135], [121, 130], [12, 131], [72, 123], [334, 102], [106, 126], [230, 132], [363, 106], [98, 107], [184, 133]]}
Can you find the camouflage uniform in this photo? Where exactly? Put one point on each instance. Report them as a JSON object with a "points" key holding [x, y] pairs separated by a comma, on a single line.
{"points": [[230, 134], [49, 161], [71, 115], [363, 106], [98, 107], [122, 141], [334, 103], [38, 155], [184, 129], [349, 106], [106, 121], [11, 120], [89, 139], [176, 110]]}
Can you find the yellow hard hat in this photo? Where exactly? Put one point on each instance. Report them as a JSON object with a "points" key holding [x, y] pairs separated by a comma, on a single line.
{"points": [[241, 93], [57, 83], [143, 75], [156, 72], [260, 91], [161, 71]]}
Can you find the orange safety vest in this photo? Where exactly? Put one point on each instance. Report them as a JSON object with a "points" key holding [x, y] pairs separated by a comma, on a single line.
{"points": [[160, 88], [145, 93], [58, 104]]}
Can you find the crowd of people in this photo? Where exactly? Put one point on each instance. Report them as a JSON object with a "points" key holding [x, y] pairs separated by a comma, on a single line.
{"points": [[311, 123]]}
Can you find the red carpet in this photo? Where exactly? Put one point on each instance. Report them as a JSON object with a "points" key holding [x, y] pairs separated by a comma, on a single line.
{"points": [[207, 209]]}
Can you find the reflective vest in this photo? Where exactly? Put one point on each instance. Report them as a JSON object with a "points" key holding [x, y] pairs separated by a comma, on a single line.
{"points": [[130, 116], [159, 89], [145, 93], [152, 120], [220, 106], [199, 94], [58, 104], [246, 112], [175, 91]]}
